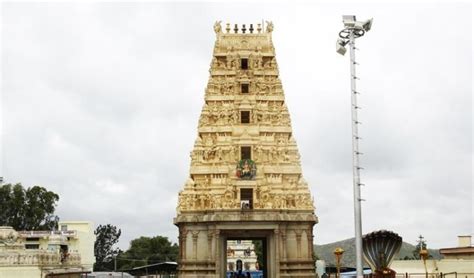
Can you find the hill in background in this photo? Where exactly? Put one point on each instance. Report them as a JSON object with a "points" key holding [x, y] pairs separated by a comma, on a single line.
{"points": [[326, 252]]}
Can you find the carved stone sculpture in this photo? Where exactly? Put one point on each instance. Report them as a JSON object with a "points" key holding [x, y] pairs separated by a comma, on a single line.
{"points": [[217, 27]]}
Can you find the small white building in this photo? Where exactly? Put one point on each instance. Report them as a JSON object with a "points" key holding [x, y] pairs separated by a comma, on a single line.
{"points": [[457, 260], [66, 252]]}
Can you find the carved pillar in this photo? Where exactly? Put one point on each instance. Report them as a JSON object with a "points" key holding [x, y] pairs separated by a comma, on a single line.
{"points": [[195, 241], [309, 234], [182, 243], [283, 243], [298, 243], [217, 257], [276, 240], [210, 234]]}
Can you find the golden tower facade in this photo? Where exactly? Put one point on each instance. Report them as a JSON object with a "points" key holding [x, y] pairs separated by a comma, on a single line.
{"points": [[245, 177]]}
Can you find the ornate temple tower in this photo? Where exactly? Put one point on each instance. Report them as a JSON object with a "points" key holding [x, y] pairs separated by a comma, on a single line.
{"points": [[245, 179]]}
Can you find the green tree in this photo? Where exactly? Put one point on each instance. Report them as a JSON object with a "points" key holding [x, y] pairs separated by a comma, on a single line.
{"points": [[258, 245], [27, 209], [148, 250], [315, 257], [106, 237]]}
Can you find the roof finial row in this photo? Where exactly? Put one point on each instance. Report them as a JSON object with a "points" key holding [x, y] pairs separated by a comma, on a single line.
{"points": [[243, 29]]}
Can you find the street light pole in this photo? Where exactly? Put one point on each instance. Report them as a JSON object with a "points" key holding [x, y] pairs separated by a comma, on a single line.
{"points": [[355, 160], [424, 255], [354, 29]]}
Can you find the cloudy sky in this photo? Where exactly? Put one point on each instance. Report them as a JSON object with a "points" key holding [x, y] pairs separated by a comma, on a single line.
{"points": [[100, 103]]}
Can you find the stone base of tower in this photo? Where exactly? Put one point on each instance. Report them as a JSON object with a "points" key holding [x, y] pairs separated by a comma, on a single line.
{"points": [[287, 238]]}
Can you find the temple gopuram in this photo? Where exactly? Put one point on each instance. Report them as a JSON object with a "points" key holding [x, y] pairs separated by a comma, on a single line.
{"points": [[245, 180]]}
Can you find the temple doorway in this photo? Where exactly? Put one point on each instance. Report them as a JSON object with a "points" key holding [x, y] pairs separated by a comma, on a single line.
{"points": [[246, 257]]}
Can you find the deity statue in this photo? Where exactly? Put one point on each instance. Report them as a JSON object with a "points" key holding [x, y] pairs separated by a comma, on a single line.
{"points": [[259, 152], [286, 156], [257, 62], [302, 183], [229, 60], [264, 196], [218, 27], [229, 197], [190, 183], [290, 200], [215, 63], [246, 169], [269, 26], [207, 181]]}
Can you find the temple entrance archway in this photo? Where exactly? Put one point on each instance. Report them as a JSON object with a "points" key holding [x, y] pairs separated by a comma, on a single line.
{"points": [[265, 236], [252, 252]]}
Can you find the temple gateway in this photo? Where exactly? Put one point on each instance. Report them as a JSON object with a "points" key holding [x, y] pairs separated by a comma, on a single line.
{"points": [[245, 179]]}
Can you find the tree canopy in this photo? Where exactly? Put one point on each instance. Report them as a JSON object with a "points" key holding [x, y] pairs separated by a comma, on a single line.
{"points": [[148, 250], [106, 237], [27, 209]]}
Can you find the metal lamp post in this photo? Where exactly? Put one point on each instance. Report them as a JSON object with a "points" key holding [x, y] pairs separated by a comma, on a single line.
{"points": [[424, 255], [338, 253], [354, 29]]}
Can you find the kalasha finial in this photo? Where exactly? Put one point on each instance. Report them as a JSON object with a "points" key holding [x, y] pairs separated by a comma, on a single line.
{"points": [[243, 29]]}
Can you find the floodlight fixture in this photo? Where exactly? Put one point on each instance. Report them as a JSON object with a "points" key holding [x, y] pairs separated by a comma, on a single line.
{"points": [[364, 25], [368, 24], [341, 46], [354, 29], [349, 20]]}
